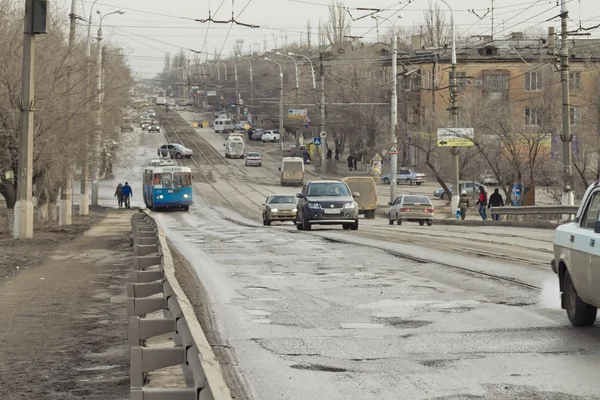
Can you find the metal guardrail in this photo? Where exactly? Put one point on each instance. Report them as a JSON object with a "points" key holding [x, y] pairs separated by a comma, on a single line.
{"points": [[155, 288], [545, 212]]}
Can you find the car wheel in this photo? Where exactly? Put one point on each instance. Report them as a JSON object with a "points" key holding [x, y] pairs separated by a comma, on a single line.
{"points": [[266, 222], [298, 225], [354, 226], [346, 227], [429, 222], [391, 221], [421, 223], [419, 183], [386, 181], [399, 221], [305, 224], [178, 155], [579, 312], [186, 208], [409, 182]]}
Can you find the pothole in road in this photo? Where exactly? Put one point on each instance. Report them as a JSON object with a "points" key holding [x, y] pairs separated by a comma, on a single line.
{"points": [[403, 323], [318, 367]]}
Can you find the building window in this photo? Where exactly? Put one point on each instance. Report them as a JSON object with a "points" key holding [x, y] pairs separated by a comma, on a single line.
{"points": [[496, 85], [427, 80], [533, 81], [461, 81], [532, 116], [574, 80], [575, 115]]}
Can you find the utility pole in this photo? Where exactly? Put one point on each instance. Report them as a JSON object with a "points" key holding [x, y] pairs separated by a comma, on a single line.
{"points": [[394, 120], [566, 138], [281, 132], [65, 213], [35, 23], [97, 142], [322, 109]]}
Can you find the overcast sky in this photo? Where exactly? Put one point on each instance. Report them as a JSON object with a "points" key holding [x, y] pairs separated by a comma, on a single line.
{"points": [[150, 28]]}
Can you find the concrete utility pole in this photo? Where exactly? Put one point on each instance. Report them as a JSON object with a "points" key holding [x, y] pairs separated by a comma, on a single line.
{"points": [[251, 86], [567, 157], [322, 109], [66, 203], [237, 92], [281, 132], [34, 23], [455, 151], [99, 99], [394, 121]]}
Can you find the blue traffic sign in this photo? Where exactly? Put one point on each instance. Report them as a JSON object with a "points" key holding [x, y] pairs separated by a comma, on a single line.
{"points": [[317, 141]]}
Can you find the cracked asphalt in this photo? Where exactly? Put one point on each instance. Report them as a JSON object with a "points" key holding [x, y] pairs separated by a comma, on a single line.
{"points": [[331, 315]]}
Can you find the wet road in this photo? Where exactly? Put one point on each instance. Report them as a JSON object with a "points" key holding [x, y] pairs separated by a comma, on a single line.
{"points": [[336, 315]]}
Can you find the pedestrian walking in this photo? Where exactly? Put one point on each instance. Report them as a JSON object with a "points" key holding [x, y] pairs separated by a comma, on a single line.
{"points": [[463, 204], [496, 200], [127, 193], [355, 163], [329, 154], [119, 195], [482, 203], [350, 162]]}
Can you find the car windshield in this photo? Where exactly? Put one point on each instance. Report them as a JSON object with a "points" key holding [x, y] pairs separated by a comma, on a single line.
{"points": [[414, 200], [328, 189], [254, 155], [282, 200]]}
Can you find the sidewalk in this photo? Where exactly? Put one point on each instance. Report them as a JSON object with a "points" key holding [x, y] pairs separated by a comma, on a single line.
{"points": [[63, 324]]}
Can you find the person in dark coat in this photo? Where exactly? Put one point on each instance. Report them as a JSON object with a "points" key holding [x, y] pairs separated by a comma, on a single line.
{"points": [[350, 162], [496, 200], [355, 161], [329, 154], [119, 195], [482, 203], [127, 193]]}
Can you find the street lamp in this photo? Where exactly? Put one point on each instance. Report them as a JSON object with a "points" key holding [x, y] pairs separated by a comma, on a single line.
{"points": [[251, 81], [281, 133], [312, 71], [394, 113], [99, 99], [455, 151], [237, 93], [225, 68], [296, 67]]}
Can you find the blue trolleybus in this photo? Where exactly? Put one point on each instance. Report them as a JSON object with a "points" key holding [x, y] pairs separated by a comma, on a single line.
{"points": [[168, 186]]}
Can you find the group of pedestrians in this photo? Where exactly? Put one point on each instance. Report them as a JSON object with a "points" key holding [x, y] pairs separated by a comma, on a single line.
{"points": [[352, 162], [483, 202], [123, 194]]}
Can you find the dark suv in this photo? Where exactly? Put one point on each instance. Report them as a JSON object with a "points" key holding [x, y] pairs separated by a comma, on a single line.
{"points": [[326, 203]]}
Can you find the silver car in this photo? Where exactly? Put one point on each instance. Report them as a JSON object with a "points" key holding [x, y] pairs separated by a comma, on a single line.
{"points": [[175, 150], [470, 187], [411, 208], [279, 208], [253, 159]]}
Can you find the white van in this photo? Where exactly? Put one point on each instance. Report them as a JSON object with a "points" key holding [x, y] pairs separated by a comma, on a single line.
{"points": [[235, 147], [223, 125], [292, 171]]}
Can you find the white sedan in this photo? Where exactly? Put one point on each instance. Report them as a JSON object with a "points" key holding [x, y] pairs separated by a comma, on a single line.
{"points": [[271, 136]]}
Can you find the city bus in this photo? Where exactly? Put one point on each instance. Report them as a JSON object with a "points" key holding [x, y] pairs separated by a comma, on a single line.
{"points": [[168, 187]]}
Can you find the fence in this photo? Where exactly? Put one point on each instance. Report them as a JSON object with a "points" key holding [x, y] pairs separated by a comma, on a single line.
{"points": [[155, 288], [544, 213]]}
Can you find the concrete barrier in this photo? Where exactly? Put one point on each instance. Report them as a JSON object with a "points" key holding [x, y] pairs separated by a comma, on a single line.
{"points": [[155, 288]]}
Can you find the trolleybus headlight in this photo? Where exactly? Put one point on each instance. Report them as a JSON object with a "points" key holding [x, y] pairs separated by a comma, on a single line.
{"points": [[186, 196], [160, 196]]}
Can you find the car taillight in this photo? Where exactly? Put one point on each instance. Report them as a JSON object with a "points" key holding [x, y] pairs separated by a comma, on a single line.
{"points": [[428, 210], [404, 209]]}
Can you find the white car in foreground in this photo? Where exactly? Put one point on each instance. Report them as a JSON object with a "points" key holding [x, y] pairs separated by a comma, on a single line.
{"points": [[271, 136]]}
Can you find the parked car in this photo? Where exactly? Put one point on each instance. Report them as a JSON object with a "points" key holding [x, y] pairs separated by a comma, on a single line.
{"points": [[407, 176], [253, 159], [257, 134], [411, 208], [279, 208], [271, 136], [327, 203], [576, 260], [489, 178], [175, 150], [154, 128], [471, 187]]}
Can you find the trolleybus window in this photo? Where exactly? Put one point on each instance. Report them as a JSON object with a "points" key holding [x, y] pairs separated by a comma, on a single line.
{"points": [[163, 180], [182, 179]]}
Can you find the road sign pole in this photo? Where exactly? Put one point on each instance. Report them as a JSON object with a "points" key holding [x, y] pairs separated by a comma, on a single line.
{"points": [[394, 119]]}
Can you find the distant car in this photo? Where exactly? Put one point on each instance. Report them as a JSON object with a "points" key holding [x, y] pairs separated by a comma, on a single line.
{"points": [[179, 108], [271, 136], [154, 128], [279, 208], [407, 176], [470, 187], [175, 150], [240, 125], [411, 208], [146, 126], [257, 134], [326, 203], [489, 178], [253, 159]]}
